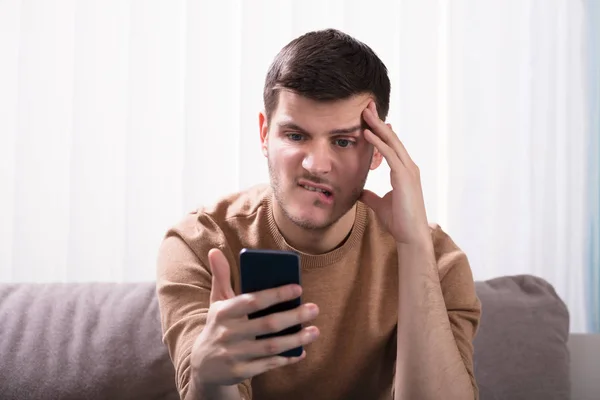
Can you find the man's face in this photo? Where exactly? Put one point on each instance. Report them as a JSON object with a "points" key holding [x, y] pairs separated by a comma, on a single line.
{"points": [[318, 157]]}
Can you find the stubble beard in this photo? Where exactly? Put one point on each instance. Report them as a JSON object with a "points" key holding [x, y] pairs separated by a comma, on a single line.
{"points": [[340, 209]]}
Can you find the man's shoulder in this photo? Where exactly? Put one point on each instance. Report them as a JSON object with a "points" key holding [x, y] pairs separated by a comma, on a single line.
{"points": [[449, 256], [442, 242], [238, 204], [212, 217], [445, 248]]}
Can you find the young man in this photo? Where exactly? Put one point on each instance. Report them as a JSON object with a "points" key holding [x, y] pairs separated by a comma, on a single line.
{"points": [[390, 309]]}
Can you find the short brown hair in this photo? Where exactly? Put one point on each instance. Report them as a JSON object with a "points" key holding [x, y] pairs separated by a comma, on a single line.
{"points": [[327, 65]]}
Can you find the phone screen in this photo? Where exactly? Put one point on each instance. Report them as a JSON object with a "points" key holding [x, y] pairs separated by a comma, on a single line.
{"points": [[267, 269]]}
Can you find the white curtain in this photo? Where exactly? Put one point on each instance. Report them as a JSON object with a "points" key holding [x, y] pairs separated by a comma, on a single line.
{"points": [[117, 117]]}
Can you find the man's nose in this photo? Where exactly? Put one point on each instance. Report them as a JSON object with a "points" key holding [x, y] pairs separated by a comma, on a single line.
{"points": [[317, 160]]}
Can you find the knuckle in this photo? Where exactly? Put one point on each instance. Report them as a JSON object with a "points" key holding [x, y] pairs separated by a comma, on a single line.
{"points": [[224, 356], [269, 324], [228, 358], [237, 372], [252, 302], [221, 352], [282, 294], [224, 334], [275, 362], [217, 309], [271, 347]]}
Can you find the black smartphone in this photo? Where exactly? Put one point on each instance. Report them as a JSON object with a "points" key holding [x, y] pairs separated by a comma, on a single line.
{"points": [[266, 269]]}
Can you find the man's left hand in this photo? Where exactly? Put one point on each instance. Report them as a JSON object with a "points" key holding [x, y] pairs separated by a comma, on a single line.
{"points": [[401, 210]]}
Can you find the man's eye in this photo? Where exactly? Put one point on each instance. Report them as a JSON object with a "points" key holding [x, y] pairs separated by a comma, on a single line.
{"points": [[344, 142], [296, 137]]}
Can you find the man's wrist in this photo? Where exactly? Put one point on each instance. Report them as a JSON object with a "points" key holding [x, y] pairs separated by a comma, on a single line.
{"points": [[422, 244], [200, 390], [420, 238], [418, 257]]}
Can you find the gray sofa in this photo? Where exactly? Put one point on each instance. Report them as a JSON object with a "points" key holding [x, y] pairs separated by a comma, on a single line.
{"points": [[103, 341]]}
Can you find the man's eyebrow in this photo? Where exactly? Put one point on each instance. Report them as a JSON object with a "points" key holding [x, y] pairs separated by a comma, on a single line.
{"points": [[341, 131], [346, 131]]}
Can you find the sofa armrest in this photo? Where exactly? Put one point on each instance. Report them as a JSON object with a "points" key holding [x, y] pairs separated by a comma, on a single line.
{"points": [[585, 363]]}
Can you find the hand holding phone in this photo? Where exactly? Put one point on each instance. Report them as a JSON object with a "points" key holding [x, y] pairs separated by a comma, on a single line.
{"points": [[269, 269], [226, 352]]}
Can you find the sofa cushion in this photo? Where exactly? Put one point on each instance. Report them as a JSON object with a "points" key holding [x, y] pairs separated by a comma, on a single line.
{"points": [[521, 348], [103, 341], [82, 341]]}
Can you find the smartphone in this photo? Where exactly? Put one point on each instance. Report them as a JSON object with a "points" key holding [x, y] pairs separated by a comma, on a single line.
{"points": [[267, 269]]}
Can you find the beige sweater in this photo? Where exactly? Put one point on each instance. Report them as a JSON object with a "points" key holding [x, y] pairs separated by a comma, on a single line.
{"points": [[355, 287]]}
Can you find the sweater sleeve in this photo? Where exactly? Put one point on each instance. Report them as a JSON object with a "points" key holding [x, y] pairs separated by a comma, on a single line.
{"points": [[183, 289], [462, 303]]}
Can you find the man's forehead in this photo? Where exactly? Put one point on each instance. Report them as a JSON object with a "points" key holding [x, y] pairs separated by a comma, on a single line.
{"points": [[289, 98], [293, 107]]}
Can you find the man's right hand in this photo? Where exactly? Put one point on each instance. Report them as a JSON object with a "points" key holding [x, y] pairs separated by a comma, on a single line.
{"points": [[226, 351]]}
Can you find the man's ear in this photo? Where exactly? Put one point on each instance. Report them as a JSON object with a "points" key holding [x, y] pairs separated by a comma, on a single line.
{"points": [[376, 159], [264, 130]]}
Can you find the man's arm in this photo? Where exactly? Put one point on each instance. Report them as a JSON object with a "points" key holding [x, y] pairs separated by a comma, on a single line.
{"points": [[438, 309], [216, 393], [438, 314], [184, 285], [206, 325]]}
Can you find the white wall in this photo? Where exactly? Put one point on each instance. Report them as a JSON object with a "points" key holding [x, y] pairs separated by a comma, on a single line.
{"points": [[117, 117]]}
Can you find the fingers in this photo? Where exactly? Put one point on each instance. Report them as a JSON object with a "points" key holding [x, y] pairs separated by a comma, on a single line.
{"points": [[249, 350], [388, 153], [221, 284], [258, 366], [279, 321], [384, 132], [249, 303]]}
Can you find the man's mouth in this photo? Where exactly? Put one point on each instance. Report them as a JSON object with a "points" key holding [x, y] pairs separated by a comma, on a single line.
{"points": [[316, 189]]}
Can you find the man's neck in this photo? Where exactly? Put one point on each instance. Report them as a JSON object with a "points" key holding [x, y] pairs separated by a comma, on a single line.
{"points": [[313, 241]]}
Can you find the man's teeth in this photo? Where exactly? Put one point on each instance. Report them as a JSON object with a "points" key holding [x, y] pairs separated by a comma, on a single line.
{"points": [[314, 189]]}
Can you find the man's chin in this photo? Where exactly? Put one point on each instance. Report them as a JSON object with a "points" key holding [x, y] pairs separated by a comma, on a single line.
{"points": [[311, 222]]}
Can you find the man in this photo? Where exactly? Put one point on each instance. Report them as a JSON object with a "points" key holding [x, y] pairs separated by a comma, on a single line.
{"points": [[390, 309]]}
